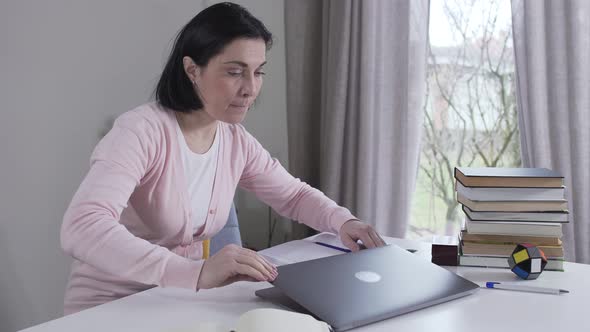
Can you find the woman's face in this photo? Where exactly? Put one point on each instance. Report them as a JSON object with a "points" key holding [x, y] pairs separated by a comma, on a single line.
{"points": [[231, 81]]}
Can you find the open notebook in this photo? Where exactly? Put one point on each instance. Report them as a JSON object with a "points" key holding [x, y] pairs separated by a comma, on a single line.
{"points": [[297, 251], [264, 320], [303, 250]]}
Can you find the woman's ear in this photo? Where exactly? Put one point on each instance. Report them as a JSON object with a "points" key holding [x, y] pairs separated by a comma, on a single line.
{"points": [[190, 69]]}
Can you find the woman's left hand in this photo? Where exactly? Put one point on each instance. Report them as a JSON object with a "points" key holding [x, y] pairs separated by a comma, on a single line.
{"points": [[354, 230]]}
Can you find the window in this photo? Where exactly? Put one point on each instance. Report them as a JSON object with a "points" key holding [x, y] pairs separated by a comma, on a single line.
{"points": [[470, 106]]}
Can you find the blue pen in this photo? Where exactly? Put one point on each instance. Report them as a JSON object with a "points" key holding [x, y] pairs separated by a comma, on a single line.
{"points": [[332, 247], [361, 246], [525, 288]]}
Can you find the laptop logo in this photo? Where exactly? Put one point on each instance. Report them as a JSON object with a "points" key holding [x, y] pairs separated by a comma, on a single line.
{"points": [[367, 276]]}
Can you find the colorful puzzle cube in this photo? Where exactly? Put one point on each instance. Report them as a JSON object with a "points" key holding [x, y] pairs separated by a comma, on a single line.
{"points": [[527, 261]]}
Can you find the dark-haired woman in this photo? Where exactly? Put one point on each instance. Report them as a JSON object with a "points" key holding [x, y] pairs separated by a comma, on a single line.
{"points": [[162, 180]]}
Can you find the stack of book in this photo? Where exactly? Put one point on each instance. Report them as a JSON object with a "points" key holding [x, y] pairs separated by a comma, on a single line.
{"points": [[507, 206]]}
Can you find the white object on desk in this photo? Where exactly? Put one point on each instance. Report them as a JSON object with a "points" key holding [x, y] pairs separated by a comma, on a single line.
{"points": [[264, 320], [272, 320]]}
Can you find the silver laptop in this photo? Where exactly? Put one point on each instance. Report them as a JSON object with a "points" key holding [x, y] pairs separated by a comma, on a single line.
{"points": [[355, 289]]}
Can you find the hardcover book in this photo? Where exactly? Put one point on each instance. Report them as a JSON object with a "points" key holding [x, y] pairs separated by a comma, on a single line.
{"points": [[513, 228], [513, 206], [510, 193], [509, 239], [508, 177], [493, 249], [502, 262], [545, 216]]}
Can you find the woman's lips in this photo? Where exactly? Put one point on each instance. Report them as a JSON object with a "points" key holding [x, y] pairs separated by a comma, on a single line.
{"points": [[240, 108]]}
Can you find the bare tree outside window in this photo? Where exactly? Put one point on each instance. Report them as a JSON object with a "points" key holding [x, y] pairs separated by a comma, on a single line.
{"points": [[470, 110]]}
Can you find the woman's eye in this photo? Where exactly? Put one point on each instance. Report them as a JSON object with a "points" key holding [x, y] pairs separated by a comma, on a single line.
{"points": [[235, 73], [260, 73]]}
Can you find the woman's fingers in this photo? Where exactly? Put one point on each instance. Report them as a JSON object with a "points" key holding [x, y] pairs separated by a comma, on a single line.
{"points": [[233, 263], [269, 267], [368, 241], [349, 242], [376, 238], [254, 262], [248, 270], [239, 277], [372, 240]]}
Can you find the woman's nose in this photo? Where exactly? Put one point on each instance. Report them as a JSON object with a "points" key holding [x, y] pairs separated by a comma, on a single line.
{"points": [[248, 86]]}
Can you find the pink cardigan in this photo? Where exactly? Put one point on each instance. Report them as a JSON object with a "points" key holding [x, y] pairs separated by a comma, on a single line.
{"points": [[128, 226]]}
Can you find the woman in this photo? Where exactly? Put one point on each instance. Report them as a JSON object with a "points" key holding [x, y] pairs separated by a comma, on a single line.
{"points": [[163, 179]]}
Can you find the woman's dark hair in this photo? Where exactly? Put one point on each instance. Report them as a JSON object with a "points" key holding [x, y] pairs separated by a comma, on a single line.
{"points": [[202, 38]]}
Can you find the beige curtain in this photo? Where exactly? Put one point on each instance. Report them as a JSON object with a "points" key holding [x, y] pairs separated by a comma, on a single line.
{"points": [[355, 87], [552, 50]]}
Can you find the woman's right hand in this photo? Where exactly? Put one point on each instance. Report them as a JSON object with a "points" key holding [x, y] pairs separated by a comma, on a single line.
{"points": [[233, 263]]}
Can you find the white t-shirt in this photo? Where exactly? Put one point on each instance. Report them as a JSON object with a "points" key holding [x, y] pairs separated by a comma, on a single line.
{"points": [[199, 171]]}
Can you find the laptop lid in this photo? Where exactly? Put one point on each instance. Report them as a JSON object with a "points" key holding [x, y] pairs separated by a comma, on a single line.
{"points": [[351, 290]]}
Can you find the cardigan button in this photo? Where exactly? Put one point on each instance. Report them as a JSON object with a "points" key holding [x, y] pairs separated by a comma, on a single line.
{"points": [[212, 211]]}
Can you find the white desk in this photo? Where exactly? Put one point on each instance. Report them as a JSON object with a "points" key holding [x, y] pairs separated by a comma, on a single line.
{"points": [[164, 310]]}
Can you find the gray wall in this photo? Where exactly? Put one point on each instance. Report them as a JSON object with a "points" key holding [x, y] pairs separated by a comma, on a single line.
{"points": [[66, 69]]}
